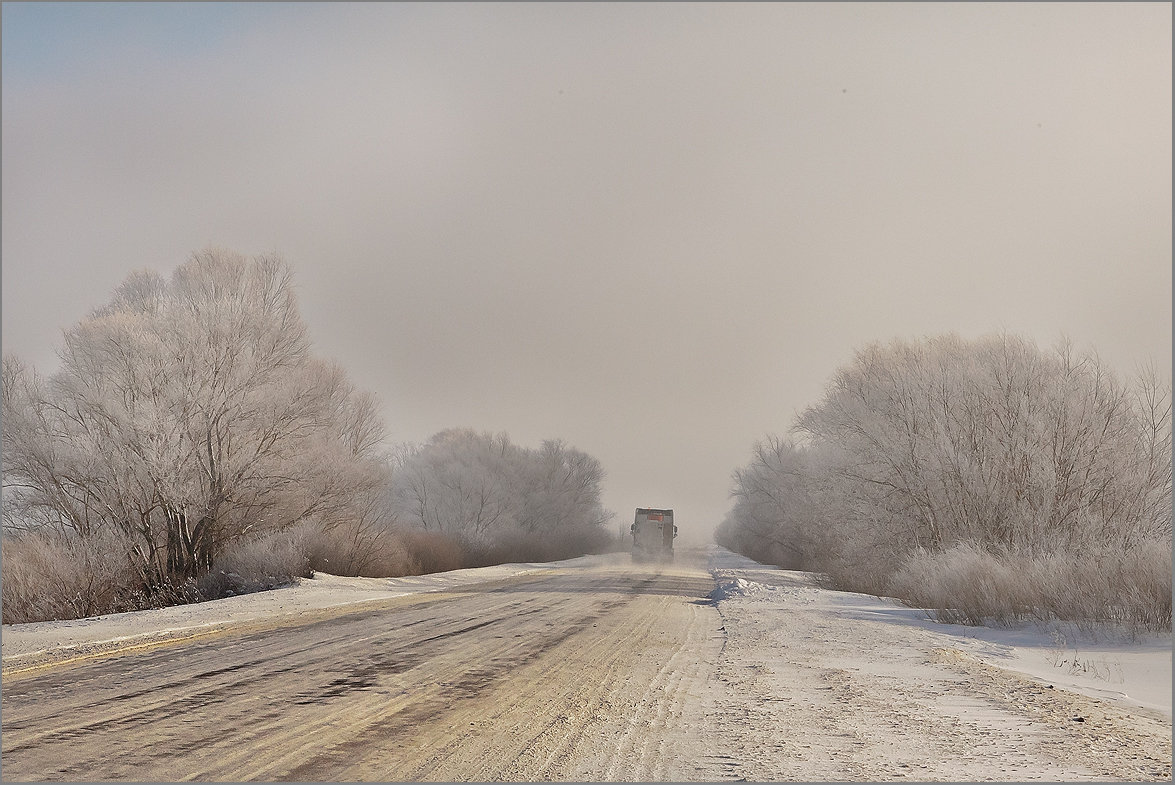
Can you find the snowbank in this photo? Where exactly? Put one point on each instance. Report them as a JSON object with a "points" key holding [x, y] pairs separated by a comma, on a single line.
{"points": [[27, 642], [1101, 663]]}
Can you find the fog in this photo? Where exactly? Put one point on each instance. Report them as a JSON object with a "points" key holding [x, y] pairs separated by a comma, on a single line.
{"points": [[651, 230]]}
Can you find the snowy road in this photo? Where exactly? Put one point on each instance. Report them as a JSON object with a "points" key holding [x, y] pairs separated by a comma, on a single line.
{"points": [[593, 669], [509, 680]]}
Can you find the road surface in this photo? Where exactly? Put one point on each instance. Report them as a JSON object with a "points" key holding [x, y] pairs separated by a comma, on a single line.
{"points": [[613, 672]]}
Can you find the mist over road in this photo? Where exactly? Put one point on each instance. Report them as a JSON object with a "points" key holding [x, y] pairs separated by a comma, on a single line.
{"points": [[598, 669]]}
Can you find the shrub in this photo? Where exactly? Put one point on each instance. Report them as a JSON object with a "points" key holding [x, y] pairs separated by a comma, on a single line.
{"points": [[517, 545], [266, 562], [965, 584], [1106, 584], [355, 549], [970, 585], [430, 552]]}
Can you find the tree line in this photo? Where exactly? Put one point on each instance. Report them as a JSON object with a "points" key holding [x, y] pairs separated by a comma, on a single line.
{"points": [[987, 479], [191, 443]]}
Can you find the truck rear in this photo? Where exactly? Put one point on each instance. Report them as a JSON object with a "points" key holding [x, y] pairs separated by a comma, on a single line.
{"points": [[652, 535]]}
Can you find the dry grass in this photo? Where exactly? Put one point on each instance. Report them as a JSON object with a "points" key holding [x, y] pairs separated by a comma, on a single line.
{"points": [[48, 576]]}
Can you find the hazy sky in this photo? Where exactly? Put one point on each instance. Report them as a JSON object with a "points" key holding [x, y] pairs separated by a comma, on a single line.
{"points": [[652, 230]]}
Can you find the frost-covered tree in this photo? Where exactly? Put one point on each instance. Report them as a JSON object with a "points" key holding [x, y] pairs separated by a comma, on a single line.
{"points": [[488, 493], [457, 483], [561, 489], [188, 413], [998, 441], [773, 514], [931, 446]]}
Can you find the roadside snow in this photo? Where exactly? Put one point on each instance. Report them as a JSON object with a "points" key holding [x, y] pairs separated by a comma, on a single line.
{"points": [[26, 642], [825, 685], [1103, 663]]}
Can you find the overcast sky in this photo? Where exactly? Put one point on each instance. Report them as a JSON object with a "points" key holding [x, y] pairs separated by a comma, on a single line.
{"points": [[652, 230]]}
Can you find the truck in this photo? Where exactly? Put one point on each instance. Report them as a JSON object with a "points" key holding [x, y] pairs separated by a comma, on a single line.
{"points": [[652, 535]]}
